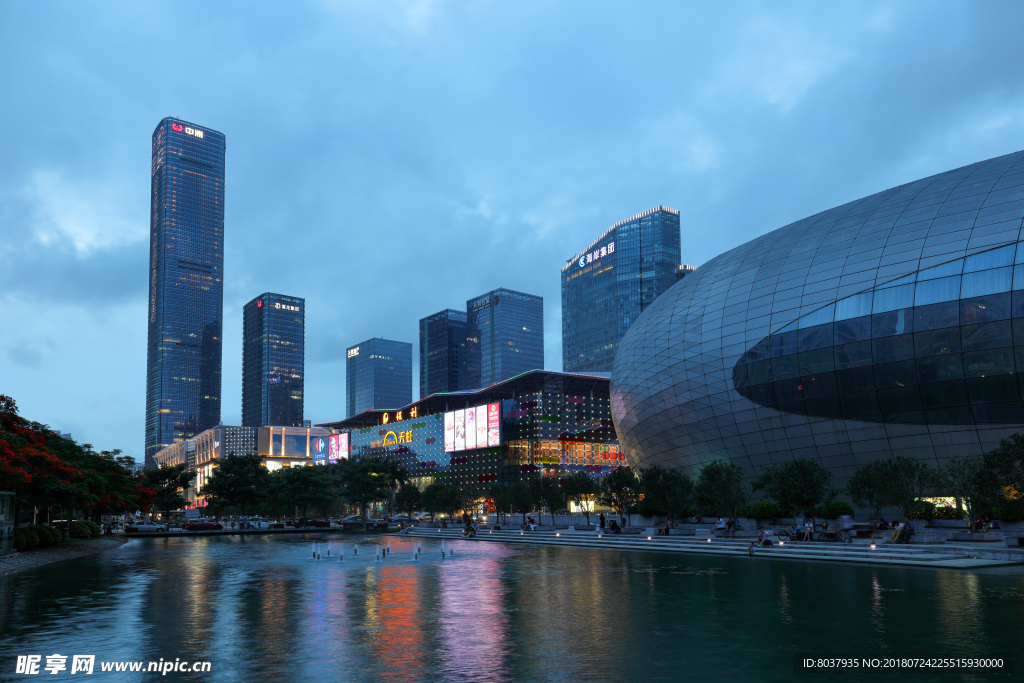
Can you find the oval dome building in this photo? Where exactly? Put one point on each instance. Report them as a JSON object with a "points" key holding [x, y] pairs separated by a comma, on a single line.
{"points": [[891, 325]]}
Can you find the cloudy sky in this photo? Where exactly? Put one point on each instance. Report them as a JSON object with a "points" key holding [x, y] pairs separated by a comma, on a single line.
{"points": [[386, 160]]}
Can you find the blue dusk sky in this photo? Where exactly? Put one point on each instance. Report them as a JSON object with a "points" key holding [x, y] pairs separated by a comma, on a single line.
{"points": [[386, 160]]}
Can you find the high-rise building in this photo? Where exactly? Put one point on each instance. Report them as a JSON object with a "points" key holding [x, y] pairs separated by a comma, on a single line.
{"points": [[378, 375], [186, 288], [442, 351], [608, 285], [505, 336], [273, 360]]}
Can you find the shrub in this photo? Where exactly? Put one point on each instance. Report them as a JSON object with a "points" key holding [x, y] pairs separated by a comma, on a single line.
{"points": [[25, 538], [80, 529], [94, 529], [46, 534], [1010, 511], [924, 510], [947, 512], [765, 509], [835, 509]]}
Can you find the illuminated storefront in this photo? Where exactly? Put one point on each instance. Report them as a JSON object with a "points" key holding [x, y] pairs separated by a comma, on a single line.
{"points": [[538, 424]]}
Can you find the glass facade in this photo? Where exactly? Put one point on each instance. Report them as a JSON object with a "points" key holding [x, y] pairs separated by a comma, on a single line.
{"points": [[610, 283], [505, 336], [273, 360], [378, 375], [186, 288], [892, 325], [442, 351], [552, 424]]}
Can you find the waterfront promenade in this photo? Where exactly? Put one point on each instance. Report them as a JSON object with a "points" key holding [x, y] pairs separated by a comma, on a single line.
{"points": [[29, 559], [944, 556]]}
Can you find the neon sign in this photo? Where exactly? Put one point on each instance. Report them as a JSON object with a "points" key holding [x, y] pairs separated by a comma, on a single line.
{"points": [[596, 254], [194, 132], [353, 352], [289, 308]]}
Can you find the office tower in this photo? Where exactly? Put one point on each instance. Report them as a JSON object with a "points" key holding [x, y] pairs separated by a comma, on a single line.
{"points": [[505, 336], [442, 351], [378, 375], [273, 360], [186, 288], [606, 286]]}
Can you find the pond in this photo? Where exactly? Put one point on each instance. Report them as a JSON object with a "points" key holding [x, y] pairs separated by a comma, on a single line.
{"points": [[260, 608]]}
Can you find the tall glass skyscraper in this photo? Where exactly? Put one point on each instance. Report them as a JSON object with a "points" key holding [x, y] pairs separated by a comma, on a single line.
{"points": [[442, 351], [186, 287], [378, 375], [505, 336], [273, 360], [608, 284]]}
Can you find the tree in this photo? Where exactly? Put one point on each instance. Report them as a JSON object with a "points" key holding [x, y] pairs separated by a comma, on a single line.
{"points": [[867, 487], [168, 484], [441, 496], [550, 494], [1006, 463], [367, 480], [719, 488], [502, 497], [524, 497], [407, 500], [620, 490], [665, 491], [906, 480], [302, 487], [974, 485], [239, 480], [801, 485], [580, 488]]}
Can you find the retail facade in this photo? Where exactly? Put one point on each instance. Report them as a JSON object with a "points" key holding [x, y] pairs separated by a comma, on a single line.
{"points": [[891, 325], [538, 424]]}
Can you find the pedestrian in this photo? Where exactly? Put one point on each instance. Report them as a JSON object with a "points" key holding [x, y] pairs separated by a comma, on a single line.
{"points": [[846, 528], [602, 521], [730, 526]]}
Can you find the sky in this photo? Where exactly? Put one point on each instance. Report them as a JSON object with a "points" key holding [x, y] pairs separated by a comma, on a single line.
{"points": [[387, 160]]}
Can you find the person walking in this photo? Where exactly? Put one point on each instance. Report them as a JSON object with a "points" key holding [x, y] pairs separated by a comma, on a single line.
{"points": [[601, 519]]}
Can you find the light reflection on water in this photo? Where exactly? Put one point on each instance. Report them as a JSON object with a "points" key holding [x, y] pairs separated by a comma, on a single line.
{"points": [[262, 610]]}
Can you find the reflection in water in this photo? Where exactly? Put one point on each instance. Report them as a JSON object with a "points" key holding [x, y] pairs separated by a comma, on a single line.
{"points": [[261, 609]]}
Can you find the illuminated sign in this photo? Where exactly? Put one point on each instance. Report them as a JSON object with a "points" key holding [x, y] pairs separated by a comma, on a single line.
{"points": [[337, 447], [399, 415], [292, 308], [259, 304], [478, 427], [393, 438], [353, 352], [318, 449], [194, 132], [596, 254]]}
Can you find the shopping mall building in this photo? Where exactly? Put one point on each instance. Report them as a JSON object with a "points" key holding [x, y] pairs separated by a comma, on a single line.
{"points": [[535, 424], [891, 325]]}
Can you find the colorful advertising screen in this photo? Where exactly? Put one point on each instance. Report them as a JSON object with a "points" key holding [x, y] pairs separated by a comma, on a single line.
{"points": [[481, 426], [493, 425], [470, 428], [318, 449], [449, 432], [337, 447], [460, 430], [478, 427]]}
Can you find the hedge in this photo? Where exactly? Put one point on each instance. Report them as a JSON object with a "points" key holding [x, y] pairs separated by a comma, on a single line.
{"points": [[835, 509], [84, 529], [25, 539], [765, 509]]}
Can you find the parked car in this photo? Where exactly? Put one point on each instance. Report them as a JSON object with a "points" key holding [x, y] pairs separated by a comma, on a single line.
{"points": [[401, 518], [317, 522], [353, 518], [144, 526], [203, 525]]}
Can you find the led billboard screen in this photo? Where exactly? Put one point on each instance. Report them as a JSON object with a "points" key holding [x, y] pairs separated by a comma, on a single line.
{"points": [[477, 427], [337, 445], [460, 430], [470, 429]]}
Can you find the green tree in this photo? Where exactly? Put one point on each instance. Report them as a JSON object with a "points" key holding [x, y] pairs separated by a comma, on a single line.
{"points": [[867, 487], [304, 488], [906, 480], [1006, 463], [620, 490], [501, 496], [240, 481], [550, 494], [169, 483], [581, 489], [667, 492], [441, 496], [719, 488], [975, 486], [407, 500], [524, 497], [367, 480], [801, 485]]}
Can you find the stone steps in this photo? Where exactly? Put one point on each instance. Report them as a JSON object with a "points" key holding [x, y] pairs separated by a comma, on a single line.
{"points": [[835, 552]]}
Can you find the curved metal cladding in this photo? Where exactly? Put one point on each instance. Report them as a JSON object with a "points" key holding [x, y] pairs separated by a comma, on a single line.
{"points": [[882, 327]]}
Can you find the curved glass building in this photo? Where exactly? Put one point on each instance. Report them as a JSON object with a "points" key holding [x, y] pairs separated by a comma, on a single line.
{"points": [[892, 325]]}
